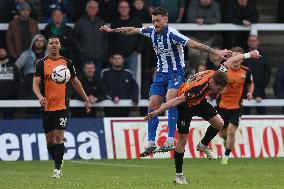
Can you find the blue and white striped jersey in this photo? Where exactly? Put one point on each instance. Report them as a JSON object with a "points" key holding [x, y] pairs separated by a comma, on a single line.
{"points": [[168, 48]]}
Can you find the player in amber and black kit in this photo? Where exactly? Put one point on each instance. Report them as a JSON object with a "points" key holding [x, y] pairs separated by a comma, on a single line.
{"points": [[229, 102], [54, 101], [191, 101]]}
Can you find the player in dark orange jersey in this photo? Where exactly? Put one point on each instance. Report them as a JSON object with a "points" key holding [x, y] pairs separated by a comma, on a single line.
{"points": [[229, 102], [191, 101], [54, 101]]}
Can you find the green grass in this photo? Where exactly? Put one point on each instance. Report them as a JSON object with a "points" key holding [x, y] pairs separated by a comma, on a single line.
{"points": [[152, 174]]}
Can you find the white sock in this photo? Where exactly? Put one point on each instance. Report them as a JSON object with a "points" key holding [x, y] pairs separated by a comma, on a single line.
{"points": [[151, 143], [179, 174], [171, 140]]}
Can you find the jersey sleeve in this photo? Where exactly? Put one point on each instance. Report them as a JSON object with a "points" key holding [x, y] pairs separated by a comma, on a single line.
{"points": [[179, 38], [71, 68], [146, 31], [39, 69]]}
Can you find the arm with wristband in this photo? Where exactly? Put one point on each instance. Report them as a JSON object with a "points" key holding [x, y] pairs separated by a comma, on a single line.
{"points": [[252, 54]]}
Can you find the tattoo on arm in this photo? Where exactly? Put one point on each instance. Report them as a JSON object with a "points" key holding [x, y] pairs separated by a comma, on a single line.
{"points": [[206, 48]]}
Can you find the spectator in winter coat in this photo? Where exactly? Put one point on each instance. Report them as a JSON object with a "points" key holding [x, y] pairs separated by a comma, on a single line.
{"points": [[9, 82], [128, 46], [93, 86], [279, 85], [241, 12], [261, 73], [120, 84], [20, 32], [90, 42]]}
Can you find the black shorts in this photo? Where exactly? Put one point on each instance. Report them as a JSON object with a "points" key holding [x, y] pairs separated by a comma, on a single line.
{"points": [[204, 109], [54, 120], [232, 116]]}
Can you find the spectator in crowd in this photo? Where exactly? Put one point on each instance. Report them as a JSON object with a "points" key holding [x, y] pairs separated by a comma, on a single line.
{"points": [[108, 10], [241, 12], [261, 73], [279, 85], [128, 46], [204, 12], [20, 31], [9, 82], [141, 12], [12, 9], [89, 41], [120, 84], [58, 27], [213, 61], [65, 6], [27, 61], [175, 8], [280, 11], [93, 86], [80, 8]]}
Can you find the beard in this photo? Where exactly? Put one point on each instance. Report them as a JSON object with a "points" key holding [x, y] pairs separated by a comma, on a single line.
{"points": [[3, 58]]}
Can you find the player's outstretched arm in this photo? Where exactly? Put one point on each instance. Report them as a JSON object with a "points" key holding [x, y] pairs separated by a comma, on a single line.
{"points": [[122, 30], [79, 89], [202, 47], [252, 54], [172, 103]]}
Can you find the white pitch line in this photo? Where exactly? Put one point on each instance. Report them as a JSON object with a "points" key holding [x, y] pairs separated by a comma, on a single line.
{"points": [[107, 164]]}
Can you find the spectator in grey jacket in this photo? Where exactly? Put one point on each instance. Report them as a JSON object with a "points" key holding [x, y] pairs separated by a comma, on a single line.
{"points": [[279, 85], [204, 12], [26, 62], [89, 41], [119, 84]]}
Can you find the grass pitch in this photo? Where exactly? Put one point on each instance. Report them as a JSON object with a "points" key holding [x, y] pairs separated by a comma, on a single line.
{"points": [[156, 173]]}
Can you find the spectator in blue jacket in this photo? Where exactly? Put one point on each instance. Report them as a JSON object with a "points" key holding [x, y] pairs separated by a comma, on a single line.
{"points": [[119, 84]]}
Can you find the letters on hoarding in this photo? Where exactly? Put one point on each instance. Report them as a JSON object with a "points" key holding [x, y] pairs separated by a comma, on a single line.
{"points": [[256, 137], [25, 140]]}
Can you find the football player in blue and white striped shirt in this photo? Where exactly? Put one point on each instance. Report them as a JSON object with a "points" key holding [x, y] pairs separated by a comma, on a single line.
{"points": [[168, 45]]}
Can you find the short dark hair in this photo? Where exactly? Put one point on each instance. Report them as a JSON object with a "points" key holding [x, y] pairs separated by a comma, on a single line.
{"points": [[220, 78], [238, 49], [160, 11], [54, 36]]}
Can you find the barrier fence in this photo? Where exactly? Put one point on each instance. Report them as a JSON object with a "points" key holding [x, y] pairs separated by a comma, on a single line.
{"points": [[127, 103], [125, 138]]}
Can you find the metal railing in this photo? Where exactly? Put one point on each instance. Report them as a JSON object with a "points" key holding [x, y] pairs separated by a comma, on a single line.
{"points": [[126, 103]]}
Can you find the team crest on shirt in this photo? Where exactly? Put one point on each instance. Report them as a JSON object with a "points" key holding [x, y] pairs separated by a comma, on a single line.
{"points": [[243, 76]]}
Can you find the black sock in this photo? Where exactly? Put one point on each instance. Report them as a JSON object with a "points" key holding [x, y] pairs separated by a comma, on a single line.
{"points": [[50, 149], [178, 161], [227, 152], [58, 155], [211, 132]]}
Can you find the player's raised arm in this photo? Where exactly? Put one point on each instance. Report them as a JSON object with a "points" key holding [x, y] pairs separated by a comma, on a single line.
{"points": [[202, 47], [79, 89], [172, 103], [252, 54], [122, 30]]}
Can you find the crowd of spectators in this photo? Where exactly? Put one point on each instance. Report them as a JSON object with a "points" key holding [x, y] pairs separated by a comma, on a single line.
{"points": [[103, 60]]}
